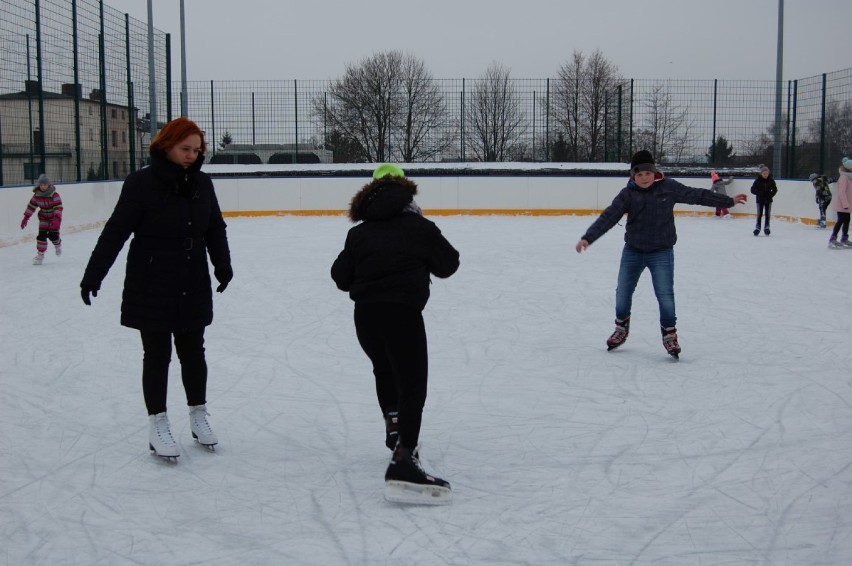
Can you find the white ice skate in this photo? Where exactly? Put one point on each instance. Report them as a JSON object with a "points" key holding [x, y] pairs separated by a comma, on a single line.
{"points": [[160, 439], [58, 249], [38, 259], [201, 430]]}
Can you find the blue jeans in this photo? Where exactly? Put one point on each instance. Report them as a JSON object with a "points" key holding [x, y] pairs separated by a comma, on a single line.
{"points": [[661, 265]]}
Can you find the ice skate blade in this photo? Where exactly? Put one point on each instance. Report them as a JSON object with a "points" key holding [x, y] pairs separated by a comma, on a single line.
{"points": [[211, 446], [417, 494], [172, 459]]}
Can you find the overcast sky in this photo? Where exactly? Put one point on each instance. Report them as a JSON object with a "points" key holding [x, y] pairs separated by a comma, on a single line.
{"points": [[645, 39]]}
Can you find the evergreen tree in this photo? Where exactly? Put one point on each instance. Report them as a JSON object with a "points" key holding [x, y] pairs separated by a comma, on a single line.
{"points": [[721, 152]]}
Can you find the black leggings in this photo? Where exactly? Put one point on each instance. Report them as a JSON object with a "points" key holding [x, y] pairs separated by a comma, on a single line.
{"points": [[842, 223], [157, 348], [394, 338], [763, 208]]}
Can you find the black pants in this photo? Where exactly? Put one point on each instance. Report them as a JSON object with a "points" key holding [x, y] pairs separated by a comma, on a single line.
{"points": [[841, 225], [763, 208], [45, 235], [394, 338], [157, 348]]}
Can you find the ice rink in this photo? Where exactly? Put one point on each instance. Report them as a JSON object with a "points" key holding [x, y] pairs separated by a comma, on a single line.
{"points": [[559, 453]]}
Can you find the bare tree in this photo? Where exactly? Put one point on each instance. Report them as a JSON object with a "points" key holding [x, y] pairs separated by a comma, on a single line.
{"points": [[496, 120], [388, 106], [602, 78], [581, 93], [566, 104], [665, 129], [838, 129], [422, 114]]}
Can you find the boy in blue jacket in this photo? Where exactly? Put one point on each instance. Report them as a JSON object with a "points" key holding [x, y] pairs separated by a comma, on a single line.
{"points": [[648, 200]]}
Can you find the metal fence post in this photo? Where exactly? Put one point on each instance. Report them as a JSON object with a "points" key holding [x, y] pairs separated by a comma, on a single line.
{"points": [[131, 134], [77, 136], [822, 127]]}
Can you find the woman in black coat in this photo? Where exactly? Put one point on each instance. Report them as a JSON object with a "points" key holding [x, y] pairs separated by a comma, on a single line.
{"points": [[764, 189], [385, 265], [172, 212]]}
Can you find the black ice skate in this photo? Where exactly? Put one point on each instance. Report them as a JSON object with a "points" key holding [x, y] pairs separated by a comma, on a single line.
{"points": [[670, 341], [391, 429], [406, 482], [622, 329]]}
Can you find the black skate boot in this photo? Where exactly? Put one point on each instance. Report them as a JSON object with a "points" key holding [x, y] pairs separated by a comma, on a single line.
{"points": [[391, 429], [406, 482], [670, 341], [619, 335]]}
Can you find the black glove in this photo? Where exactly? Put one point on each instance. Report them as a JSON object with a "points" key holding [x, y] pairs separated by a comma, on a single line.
{"points": [[223, 276], [85, 290]]}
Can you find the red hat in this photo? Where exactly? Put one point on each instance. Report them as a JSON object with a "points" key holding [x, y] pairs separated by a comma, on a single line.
{"points": [[714, 176]]}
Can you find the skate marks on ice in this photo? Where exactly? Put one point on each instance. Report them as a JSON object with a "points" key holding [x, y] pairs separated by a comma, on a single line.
{"points": [[558, 452]]}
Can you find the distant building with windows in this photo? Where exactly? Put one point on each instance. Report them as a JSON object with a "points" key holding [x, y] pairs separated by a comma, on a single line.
{"points": [[22, 141]]}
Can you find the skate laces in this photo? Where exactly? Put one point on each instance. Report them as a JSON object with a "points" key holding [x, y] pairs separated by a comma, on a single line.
{"points": [[619, 335], [670, 339], [163, 430], [198, 416]]}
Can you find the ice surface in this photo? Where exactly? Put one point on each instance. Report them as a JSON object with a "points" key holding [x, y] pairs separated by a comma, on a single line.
{"points": [[559, 452]]}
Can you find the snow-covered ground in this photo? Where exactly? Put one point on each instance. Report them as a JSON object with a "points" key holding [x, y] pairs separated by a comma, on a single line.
{"points": [[558, 451]]}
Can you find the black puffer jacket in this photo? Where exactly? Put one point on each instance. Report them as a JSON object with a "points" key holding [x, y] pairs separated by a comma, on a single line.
{"points": [[764, 189], [175, 220], [389, 257]]}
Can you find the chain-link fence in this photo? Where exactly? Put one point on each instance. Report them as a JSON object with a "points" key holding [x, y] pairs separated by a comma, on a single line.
{"points": [[75, 90], [75, 101]]}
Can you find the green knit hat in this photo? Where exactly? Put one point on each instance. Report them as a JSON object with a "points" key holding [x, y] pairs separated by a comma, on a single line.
{"points": [[386, 169]]}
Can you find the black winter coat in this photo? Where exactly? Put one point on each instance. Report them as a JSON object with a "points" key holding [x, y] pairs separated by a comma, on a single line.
{"points": [[175, 220], [764, 189], [389, 257]]}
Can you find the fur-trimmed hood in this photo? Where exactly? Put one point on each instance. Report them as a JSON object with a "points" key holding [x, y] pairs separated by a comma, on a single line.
{"points": [[382, 198], [46, 193]]}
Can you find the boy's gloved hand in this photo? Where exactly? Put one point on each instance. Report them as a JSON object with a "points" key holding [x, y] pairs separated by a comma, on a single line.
{"points": [[24, 222]]}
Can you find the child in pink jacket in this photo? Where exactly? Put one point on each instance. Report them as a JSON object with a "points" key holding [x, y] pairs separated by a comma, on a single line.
{"points": [[47, 200], [842, 203]]}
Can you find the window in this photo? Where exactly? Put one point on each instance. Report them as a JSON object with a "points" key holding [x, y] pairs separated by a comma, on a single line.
{"points": [[123, 138], [114, 114], [32, 170], [114, 138]]}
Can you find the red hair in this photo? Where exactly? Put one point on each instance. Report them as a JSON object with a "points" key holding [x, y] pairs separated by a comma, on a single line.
{"points": [[175, 132]]}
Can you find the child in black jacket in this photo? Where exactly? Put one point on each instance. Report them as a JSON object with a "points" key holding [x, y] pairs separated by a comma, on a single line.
{"points": [[385, 266], [764, 189]]}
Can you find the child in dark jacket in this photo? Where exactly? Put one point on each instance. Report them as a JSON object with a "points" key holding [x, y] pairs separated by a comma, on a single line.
{"points": [[385, 266], [764, 189], [49, 205], [823, 195], [648, 200]]}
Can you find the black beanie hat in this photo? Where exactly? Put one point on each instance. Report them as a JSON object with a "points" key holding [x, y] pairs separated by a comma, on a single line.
{"points": [[642, 160]]}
